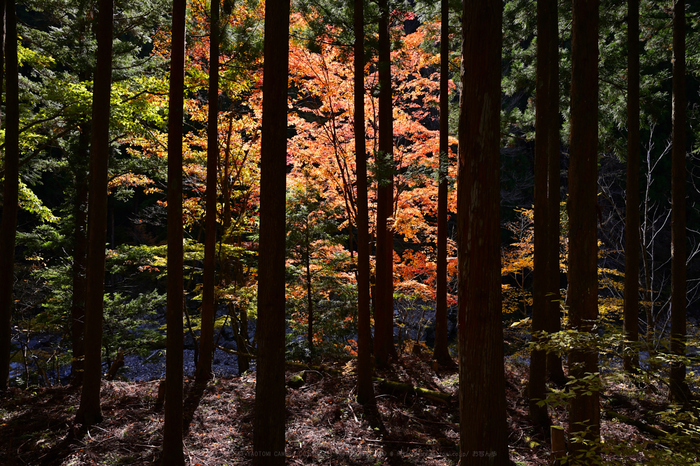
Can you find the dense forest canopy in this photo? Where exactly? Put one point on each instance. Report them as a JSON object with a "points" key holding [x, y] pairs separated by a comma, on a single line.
{"points": [[410, 45]]}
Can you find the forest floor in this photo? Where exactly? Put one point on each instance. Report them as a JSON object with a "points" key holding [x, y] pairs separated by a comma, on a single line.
{"points": [[324, 423]]}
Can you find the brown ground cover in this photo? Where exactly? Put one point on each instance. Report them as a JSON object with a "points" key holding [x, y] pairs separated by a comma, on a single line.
{"points": [[324, 423]]}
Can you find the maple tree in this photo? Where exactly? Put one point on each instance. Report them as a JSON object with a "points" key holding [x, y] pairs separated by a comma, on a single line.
{"points": [[236, 147], [324, 145]]}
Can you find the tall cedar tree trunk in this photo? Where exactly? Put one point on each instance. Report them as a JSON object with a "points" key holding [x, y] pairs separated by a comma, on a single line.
{"points": [[2, 48], [482, 397], [206, 339], [80, 247], [365, 390], [440, 352], [8, 225], [555, 370], [584, 413], [632, 240], [546, 148], [268, 428], [678, 387], [172, 426], [89, 412], [384, 304]]}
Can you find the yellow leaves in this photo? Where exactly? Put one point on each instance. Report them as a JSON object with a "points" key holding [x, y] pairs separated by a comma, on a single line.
{"points": [[523, 323], [153, 190], [414, 289], [610, 306], [128, 179], [519, 257], [516, 299], [29, 56], [409, 222], [193, 210]]}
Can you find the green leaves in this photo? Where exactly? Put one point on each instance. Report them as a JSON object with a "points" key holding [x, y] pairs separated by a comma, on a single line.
{"points": [[30, 202]]}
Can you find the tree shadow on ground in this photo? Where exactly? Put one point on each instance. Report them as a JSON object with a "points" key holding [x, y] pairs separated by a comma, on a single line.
{"points": [[195, 392], [34, 427], [391, 448]]}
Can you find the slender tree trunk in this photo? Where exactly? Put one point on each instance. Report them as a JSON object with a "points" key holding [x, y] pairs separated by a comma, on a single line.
{"points": [[384, 304], [209, 282], [80, 247], [482, 397], [89, 412], [649, 306], [365, 390], [239, 316], [309, 287], [631, 310], [8, 225], [172, 426], [584, 414], [440, 352], [547, 141], [678, 387], [268, 427], [646, 233]]}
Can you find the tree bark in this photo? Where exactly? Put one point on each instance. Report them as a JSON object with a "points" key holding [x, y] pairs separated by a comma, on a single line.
{"points": [[440, 351], [584, 414], [206, 339], [89, 412], [309, 286], [384, 301], [482, 399], [678, 387], [172, 426], [80, 247], [365, 389], [268, 428], [3, 30], [546, 149], [8, 225], [555, 370], [632, 239]]}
